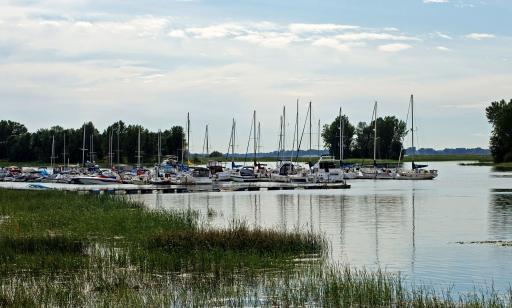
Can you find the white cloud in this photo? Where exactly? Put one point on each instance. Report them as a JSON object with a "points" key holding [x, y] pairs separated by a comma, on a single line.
{"points": [[268, 39], [394, 47], [371, 36], [436, 1], [479, 36], [442, 48], [443, 35], [318, 28], [177, 33], [331, 43]]}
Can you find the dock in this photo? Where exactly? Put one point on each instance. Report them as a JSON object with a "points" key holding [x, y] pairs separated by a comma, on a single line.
{"points": [[130, 189]]}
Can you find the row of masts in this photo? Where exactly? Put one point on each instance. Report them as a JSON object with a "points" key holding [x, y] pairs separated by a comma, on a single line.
{"points": [[254, 135]]}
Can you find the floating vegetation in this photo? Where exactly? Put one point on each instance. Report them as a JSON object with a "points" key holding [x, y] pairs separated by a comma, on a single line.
{"points": [[491, 242]]}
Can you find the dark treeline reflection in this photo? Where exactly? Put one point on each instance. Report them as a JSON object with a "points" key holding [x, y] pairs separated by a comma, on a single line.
{"points": [[500, 215], [19, 145]]}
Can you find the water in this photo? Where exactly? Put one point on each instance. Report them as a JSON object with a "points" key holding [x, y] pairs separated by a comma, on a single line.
{"points": [[400, 226]]}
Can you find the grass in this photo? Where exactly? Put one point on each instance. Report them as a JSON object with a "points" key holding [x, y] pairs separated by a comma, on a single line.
{"points": [[64, 249]]}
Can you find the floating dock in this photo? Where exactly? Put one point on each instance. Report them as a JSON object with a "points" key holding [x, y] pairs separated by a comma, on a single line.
{"points": [[129, 189]]}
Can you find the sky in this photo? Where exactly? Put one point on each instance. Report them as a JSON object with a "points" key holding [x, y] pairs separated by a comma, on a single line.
{"points": [[150, 62]]}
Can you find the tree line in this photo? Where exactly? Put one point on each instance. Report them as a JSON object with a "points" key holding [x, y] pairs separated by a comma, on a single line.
{"points": [[499, 114], [19, 145], [358, 141]]}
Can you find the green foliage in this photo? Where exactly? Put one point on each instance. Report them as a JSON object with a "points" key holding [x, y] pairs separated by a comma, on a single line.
{"points": [[331, 136], [499, 115], [18, 145], [390, 133], [216, 154]]}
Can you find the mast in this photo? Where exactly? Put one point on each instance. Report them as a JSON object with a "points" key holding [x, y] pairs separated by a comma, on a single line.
{"points": [[159, 145], [64, 153], [284, 130], [259, 136], [310, 136], [111, 148], [412, 130], [375, 135], [52, 158], [318, 137], [138, 149], [233, 134], [255, 138], [83, 149], [188, 136], [207, 142], [341, 138], [91, 153], [118, 135]]}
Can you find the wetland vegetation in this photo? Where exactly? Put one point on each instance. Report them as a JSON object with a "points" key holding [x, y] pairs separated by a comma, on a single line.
{"points": [[65, 249]]}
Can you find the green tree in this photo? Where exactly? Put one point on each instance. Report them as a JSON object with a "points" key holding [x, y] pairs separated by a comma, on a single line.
{"points": [[216, 154], [390, 133], [499, 115], [331, 137], [9, 129]]}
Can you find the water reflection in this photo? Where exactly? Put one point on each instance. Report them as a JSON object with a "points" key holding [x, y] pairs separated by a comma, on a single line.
{"points": [[411, 227], [500, 216]]}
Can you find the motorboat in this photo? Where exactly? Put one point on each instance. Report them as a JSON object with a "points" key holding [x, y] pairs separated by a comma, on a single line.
{"points": [[197, 176]]}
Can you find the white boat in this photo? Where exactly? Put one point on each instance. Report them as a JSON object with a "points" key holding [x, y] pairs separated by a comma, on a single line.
{"points": [[417, 172], [327, 170], [244, 175], [197, 176]]}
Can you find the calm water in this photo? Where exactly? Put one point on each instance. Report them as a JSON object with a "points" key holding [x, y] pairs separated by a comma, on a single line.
{"points": [[405, 226]]}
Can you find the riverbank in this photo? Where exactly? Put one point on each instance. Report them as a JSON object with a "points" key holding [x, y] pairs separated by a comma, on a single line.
{"points": [[202, 160], [64, 249]]}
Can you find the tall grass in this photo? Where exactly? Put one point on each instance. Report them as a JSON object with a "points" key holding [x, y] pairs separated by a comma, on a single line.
{"points": [[59, 249]]}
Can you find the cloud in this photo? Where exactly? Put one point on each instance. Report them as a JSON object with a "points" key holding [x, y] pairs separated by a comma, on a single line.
{"points": [[436, 1], [443, 35], [268, 39], [331, 43], [394, 47], [371, 36], [442, 48], [319, 28], [177, 34], [479, 36]]}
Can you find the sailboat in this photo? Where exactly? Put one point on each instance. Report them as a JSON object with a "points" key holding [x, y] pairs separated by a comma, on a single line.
{"points": [[249, 173], [225, 174], [417, 172]]}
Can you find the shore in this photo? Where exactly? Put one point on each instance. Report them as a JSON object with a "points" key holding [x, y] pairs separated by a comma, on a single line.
{"points": [[65, 249]]}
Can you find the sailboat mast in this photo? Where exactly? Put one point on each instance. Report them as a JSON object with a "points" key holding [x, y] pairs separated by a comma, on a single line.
{"points": [[52, 158], [341, 138], [259, 137], [375, 135], [280, 146], [159, 145], [188, 136], [296, 136], [284, 130], [91, 153], [318, 137], [207, 141], [310, 125], [138, 149], [64, 153], [233, 134], [255, 137], [118, 135], [83, 149], [412, 130]]}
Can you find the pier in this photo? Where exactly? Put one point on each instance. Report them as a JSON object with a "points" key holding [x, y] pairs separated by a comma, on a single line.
{"points": [[128, 189]]}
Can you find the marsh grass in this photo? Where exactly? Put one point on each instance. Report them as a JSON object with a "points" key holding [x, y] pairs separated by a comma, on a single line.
{"points": [[59, 249]]}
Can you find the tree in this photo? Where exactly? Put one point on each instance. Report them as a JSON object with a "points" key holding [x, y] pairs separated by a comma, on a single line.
{"points": [[331, 137], [9, 129], [499, 115], [390, 133], [216, 154]]}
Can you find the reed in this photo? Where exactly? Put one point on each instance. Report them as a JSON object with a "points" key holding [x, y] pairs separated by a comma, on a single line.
{"points": [[63, 249]]}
